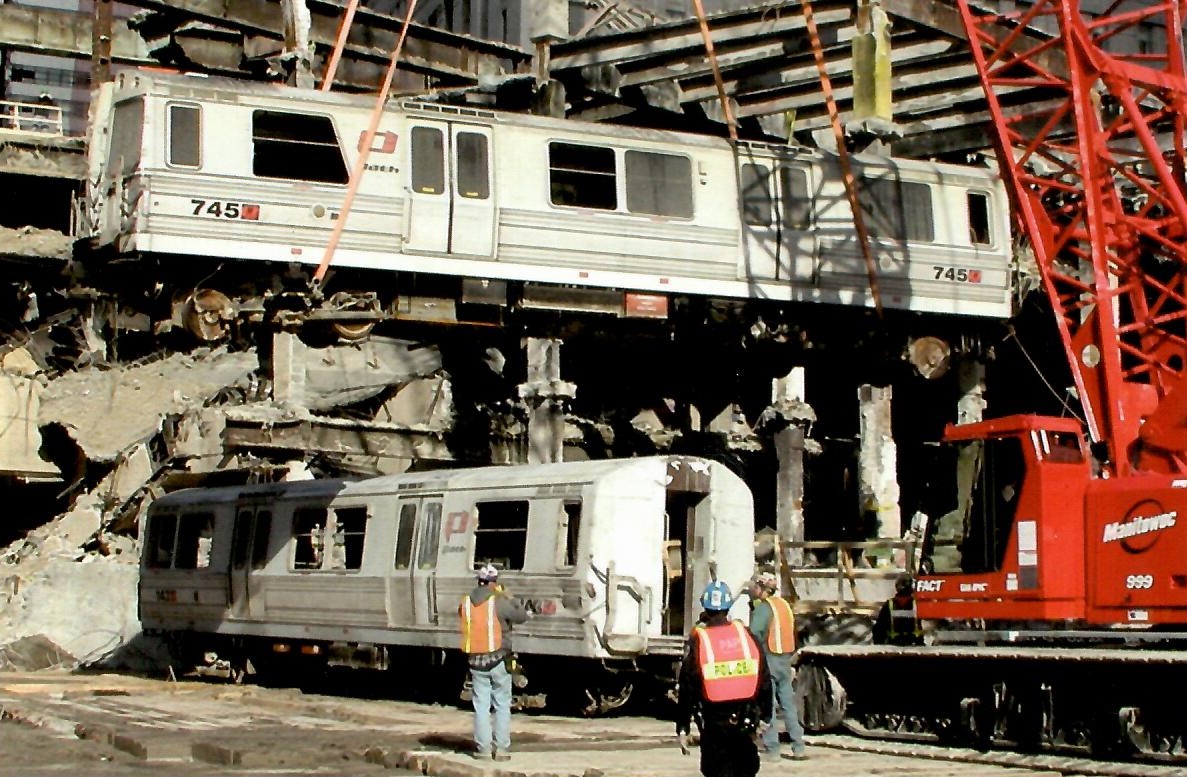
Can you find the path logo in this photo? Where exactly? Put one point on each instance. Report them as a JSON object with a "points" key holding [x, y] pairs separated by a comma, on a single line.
{"points": [[1134, 527]]}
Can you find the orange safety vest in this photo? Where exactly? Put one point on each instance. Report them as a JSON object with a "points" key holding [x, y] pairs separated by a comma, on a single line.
{"points": [[481, 630], [781, 635], [729, 662]]}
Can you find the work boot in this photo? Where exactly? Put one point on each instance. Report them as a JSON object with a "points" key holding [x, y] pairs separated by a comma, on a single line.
{"points": [[503, 756]]}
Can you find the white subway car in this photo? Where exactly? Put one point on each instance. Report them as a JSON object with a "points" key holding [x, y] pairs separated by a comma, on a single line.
{"points": [[610, 555], [186, 167]]}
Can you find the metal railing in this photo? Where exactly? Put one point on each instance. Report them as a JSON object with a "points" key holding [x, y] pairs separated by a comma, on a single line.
{"points": [[30, 118]]}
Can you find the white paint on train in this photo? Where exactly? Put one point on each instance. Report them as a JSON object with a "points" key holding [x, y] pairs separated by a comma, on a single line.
{"points": [[193, 166]]}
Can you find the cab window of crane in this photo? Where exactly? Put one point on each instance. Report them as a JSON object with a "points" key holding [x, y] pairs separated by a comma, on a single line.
{"points": [[971, 538], [758, 205], [185, 135], [501, 537], [309, 527], [296, 147], [979, 231], [473, 181], [430, 536], [348, 530], [428, 160], [582, 176], [405, 531], [195, 535], [568, 533], [658, 184], [796, 206], [1061, 447], [127, 127], [896, 209]]}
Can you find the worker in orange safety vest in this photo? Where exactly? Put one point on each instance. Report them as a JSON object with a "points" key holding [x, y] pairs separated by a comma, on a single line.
{"points": [[487, 615], [725, 687], [772, 623]]}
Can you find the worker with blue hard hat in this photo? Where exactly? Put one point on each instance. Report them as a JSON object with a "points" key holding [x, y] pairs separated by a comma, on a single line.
{"points": [[725, 687]]}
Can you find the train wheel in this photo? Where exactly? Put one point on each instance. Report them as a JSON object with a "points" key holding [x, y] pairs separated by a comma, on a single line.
{"points": [[352, 331], [208, 315]]}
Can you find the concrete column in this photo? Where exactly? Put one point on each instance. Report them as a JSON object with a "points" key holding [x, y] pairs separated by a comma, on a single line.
{"points": [[288, 369], [970, 376], [544, 395], [871, 64], [877, 462], [789, 416], [297, 22]]}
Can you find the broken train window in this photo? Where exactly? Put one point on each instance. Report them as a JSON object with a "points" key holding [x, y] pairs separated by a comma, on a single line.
{"points": [[180, 543], [582, 176], [501, 537], [309, 526], [162, 532], [297, 147], [568, 533], [346, 541]]}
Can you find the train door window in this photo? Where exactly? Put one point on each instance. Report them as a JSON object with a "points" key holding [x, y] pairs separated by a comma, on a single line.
{"points": [[658, 184], [241, 542], [127, 126], [582, 176], [296, 146], [796, 205], [979, 231], [899, 210], [350, 529], [428, 160], [430, 535], [568, 533], [757, 205], [404, 535], [185, 135], [195, 534], [259, 540], [502, 534], [162, 532], [309, 526], [473, 167]]}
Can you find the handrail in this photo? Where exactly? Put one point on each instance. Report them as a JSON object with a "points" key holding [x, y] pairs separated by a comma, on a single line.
{"points": [[33, 118]]}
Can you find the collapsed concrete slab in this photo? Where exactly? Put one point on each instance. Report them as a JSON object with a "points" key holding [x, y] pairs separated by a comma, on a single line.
{"points": [[107, 411]]}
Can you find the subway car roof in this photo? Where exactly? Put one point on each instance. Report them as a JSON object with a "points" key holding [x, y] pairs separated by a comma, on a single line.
{"points": [[526, 475]]}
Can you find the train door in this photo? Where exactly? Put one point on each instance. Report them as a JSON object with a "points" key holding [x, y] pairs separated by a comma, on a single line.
{"points": [[412, 584], [450, 206], [682, 545], [249, 554], [780, 242]]}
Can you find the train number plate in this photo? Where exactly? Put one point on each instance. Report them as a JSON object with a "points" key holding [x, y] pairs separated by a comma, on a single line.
{"points": [[224, 209], [958, 274]]}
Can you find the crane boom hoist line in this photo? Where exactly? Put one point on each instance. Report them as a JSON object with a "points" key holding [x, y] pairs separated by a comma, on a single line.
{"points": [[1095, 170]]}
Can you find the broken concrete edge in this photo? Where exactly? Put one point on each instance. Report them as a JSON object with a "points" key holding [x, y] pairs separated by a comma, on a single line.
{"points": [[12, 712], [434, 763]]}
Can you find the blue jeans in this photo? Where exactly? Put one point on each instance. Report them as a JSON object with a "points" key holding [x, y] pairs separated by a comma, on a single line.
{"points": [[492, 691], [783, 687]]}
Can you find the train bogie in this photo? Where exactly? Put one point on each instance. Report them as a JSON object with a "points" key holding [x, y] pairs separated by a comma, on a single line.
{"points": [[609, 555], [184, 167]]}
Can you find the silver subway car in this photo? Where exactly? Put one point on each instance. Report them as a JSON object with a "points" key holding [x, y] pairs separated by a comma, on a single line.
{"points": [[185, 167], [610, 555]]}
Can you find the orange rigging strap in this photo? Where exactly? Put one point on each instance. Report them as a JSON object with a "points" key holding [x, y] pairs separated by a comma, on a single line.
{"points": [[339, 44], [712, 55], [360, 165], [826, 86]]}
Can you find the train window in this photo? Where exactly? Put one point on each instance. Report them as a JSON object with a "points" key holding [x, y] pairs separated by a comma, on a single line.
{"points": [[259, 540], [658, 184], [570, 530], [185, 135], [428, 160], [501, 537], [979, 232], [797, 206], [195, 533], [429, 536], [240, 543], [899, 210], [404, 535], [297, 147], [472, 166], [350, 528], [127, 124], [757, 204], [309, 525], [162, 531], [582, 176]]}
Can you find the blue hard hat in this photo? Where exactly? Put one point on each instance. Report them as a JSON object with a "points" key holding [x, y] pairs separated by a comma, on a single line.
{"points": [[717, 597]]}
